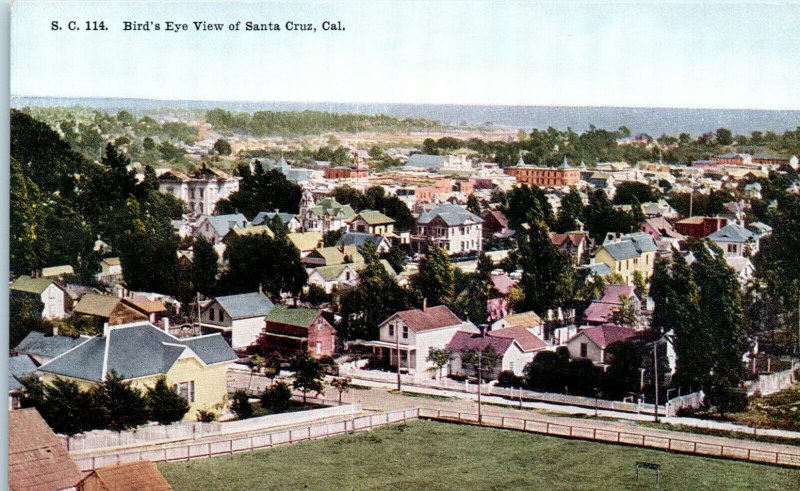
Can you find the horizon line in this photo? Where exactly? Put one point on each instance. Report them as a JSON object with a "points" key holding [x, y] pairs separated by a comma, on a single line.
{"points": [[471, 104]]}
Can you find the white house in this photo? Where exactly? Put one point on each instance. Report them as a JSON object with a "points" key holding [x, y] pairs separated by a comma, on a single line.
{"points": [[110, 270], [240, 318], [325, 216], [450, 227], [592, 342], [215, 227], [743, 268], [735, 240], [201, 191], [415, 332], [46, 290], [338, 276], [512, 358]]}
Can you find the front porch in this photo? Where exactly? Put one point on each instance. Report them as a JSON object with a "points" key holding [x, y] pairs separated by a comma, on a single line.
{"points": [[386, 352]]}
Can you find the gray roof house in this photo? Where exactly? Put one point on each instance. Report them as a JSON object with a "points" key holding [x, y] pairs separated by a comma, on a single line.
{"points": [[239, 318], [450, 227], [135, 351], [215, 227], [629, 246], [42, 348], [264, 217], [360, 239], [453, 215], [735, 240], [19, 366], [424, 161]]}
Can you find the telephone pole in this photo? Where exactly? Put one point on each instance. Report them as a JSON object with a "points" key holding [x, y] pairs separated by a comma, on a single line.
{"points": [[397, 345], [655, 369], [480, 415]]}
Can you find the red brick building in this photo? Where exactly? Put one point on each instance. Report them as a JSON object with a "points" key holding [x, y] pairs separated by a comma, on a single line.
{"points": [[291, 330], [699, 226], [358, 172], [545, 176]]}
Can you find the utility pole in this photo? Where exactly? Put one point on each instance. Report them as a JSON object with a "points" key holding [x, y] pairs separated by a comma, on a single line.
{"points": [[397, 345], [480, 416], [655, 369], [691, 195]]}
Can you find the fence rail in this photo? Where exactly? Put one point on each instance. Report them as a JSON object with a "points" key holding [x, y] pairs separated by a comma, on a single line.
{"points": [[241, 443], [665, 440]]}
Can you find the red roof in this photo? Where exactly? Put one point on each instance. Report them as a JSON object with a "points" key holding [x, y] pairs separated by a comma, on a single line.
{"points": [[37, 461], [607, 334], [527, 340], [503, 283], [133, 476], [462, 341], [560, 239], [611, 293], [498, 215], [430, 318]]}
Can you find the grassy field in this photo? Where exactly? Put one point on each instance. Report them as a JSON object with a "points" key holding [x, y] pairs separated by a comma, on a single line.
{"points": [[439, 456]]}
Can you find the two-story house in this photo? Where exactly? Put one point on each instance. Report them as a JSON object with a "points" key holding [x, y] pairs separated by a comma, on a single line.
{"points": [[450, 227], [325, 216], [628, 254], [413, 333], [215, 227], [371, 222], [49, 292], [290, 330], [735, 240], [592, 342], [239, 318], [201, 190]]}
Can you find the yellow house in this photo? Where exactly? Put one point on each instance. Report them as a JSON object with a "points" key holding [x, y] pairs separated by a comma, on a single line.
{"points": [[141, 353], [627, 254], [372, 222]]}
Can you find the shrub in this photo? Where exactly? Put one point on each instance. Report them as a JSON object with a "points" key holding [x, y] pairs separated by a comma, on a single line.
{"points": [[206, 415], [277, 397], [241, 405], [507, 378]]}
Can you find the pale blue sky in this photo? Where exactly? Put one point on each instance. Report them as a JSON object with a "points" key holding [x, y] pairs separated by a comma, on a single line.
{"points": [[728, 55]]}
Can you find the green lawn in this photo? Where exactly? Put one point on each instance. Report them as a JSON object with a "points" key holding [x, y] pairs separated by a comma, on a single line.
{"points": [[429, 455]]}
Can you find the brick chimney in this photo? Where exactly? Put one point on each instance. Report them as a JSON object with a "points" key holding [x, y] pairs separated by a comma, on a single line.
{"points": [[424, 304]]}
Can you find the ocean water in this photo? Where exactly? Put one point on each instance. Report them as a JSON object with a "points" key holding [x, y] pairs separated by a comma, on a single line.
{"points": [[653, 121]]}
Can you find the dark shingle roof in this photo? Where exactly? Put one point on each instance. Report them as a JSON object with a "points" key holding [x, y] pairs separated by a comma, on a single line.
{"points": [[451, 214], [223, 223], [430, 318], [36, 343], [246, 305], [359, 239], [136, 350], [19, 367], [462, 341], [732, 232], [264, 216], [630, 246]]}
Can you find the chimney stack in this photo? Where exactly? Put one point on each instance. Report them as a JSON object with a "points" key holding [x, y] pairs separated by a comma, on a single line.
{"points": [[260, 289], [424, 304], [106, 329]]}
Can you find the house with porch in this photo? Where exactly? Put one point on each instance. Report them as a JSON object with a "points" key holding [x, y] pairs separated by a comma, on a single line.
{"points": [[239, 318], [142, 353], [592, 342], [413, 333]]}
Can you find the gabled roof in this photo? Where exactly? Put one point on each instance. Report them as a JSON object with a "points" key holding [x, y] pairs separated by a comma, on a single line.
{"points": [[205, 172], [523, 319], [264, 217], [498, 215], [526, 340], [245, 305], [360, 239], [760, 228], [337, 254], [575, 238], [19, 366], [331, 273], [463, 341], [732, 232], [606, 334], [133, 476], [244, 231], [305, 241], [36, 458], [612, 292], [503, 283], [135, 350], [111, 261], [293, 316], [430, 318], [146, 305], [331, 208], [739, 263], [97, 305], [629, 246], [37, 344], [451, 214], [223, 223], [373, 217], [31, 285], [54, 271]]}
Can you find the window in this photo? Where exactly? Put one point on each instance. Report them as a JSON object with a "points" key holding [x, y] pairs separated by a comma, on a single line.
{"points": [[221, 315], [391, 330], [731, 247], [320, 324], [584, 350], [186, 390], [405, 332], [319, 347]]}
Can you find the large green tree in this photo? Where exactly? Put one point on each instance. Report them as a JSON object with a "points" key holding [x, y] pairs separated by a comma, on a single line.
{"points": [[434, 281]]}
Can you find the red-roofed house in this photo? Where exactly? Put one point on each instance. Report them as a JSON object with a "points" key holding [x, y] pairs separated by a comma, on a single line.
{"points": [[36, 458], [512, 356], [133, 476], [495, 224], [592, 342], [573, 244], [600, 311], [416, 332], [497, 307]]}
